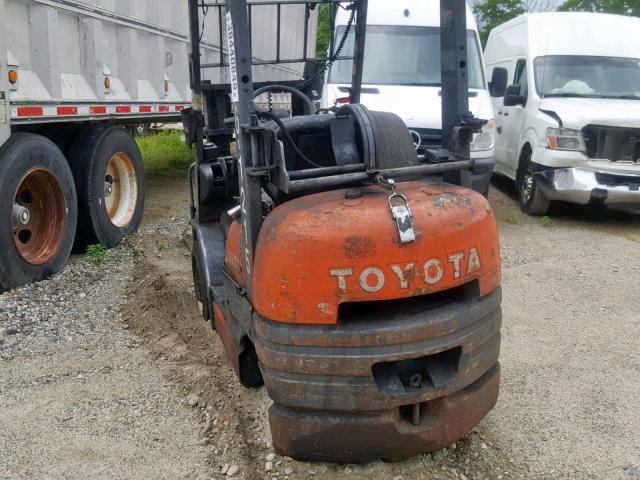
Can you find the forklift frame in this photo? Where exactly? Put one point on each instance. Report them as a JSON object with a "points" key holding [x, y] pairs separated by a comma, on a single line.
{"points": [[453, 161], [374, 403]]}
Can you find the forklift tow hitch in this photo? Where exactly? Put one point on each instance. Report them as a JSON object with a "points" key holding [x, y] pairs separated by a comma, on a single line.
{"points": [[400, 210]]}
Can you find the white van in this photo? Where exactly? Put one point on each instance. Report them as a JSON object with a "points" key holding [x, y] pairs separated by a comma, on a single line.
{"points": [[402, 74], [568, 126]]}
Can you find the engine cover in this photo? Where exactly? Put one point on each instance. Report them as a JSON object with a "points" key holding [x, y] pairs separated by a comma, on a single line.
{"points": [[318, 251]]}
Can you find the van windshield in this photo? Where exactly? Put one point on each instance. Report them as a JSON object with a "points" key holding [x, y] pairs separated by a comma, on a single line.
{"points": [[401, 55], [591, 77]]}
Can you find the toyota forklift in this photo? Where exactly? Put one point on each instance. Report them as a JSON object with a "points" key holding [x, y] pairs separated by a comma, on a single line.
{"points": [[358, 281]]}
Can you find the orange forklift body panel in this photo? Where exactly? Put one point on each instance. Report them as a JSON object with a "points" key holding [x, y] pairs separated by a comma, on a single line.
{"points": [[319, 251]]}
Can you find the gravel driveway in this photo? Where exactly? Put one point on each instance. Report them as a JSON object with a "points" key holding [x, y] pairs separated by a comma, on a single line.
{"points": [[108, 372], [80, 398]]}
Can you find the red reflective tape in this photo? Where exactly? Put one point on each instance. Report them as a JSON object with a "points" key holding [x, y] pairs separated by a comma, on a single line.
{"points": [[67, 110], [97, 110], [123, 109], [145, 109], [30, 111], [179, 107], [163, 108]]}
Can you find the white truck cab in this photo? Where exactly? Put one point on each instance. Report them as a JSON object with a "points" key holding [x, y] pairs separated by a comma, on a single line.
{"points": [[402, 75], [568, 124]]}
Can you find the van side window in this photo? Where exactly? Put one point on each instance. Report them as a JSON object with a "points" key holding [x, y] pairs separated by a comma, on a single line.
{"points": [[520, 78]]}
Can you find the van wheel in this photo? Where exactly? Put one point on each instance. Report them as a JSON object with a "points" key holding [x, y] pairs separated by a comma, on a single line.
{"points": [[38, 210], [108, 171], [532, 200]]}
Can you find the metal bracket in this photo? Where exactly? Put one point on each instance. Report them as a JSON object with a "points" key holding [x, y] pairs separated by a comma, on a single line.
{"points": [[400, 210]]}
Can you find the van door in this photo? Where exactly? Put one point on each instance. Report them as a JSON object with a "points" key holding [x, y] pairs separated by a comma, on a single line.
{"points": [[513, 119]]}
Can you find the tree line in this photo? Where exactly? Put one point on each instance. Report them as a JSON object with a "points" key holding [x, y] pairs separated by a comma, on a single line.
{"points": [[491, 13]]}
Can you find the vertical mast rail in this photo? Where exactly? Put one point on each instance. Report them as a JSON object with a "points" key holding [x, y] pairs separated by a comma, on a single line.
{"points": [[358, 51], [220, 39], [278, 34], [241, 74], [332, 28], [455, 80], [306, 32], [195, 78]]}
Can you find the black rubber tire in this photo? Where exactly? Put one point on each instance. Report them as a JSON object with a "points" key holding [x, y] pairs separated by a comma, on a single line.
{"points": [[537, 204], [22, 153], [394, 145], [89, 157]]}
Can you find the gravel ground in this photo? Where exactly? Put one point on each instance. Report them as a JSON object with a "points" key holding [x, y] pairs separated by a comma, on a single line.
{"points": [[571, 363], [108, 371], [80, 397]]}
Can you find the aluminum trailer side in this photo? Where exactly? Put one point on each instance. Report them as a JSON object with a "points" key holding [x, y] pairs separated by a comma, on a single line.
{"points": [[76, 78]]}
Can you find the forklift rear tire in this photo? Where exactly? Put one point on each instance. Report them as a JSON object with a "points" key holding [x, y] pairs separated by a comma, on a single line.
{"points": [[532, 200], [109, 175], [38, 210]]}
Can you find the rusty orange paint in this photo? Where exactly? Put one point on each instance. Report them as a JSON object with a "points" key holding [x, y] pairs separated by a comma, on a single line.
{"points": [[318, 251], [223, 333], [234, 254]]}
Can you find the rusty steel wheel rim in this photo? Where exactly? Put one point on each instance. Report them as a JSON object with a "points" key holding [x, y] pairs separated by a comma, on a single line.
{"points": [[120, 190], [38, 218]]}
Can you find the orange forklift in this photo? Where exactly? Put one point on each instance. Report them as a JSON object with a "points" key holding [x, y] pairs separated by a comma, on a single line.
{"points": [[357, 280]]}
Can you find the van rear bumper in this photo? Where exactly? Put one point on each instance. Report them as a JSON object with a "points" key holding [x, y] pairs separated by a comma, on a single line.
{"points": [[349, 393], [587, 186]]}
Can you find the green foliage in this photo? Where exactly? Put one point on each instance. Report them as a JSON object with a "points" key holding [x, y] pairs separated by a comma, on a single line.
{"points": [[546, 221], [163, 247], [97, 254], [623, 7], [323, 37], [491, 13], [137, 249], [164, 151]]}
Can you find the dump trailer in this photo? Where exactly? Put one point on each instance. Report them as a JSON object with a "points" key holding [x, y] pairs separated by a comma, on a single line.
{"points": [[76, 78], [355, 279]]}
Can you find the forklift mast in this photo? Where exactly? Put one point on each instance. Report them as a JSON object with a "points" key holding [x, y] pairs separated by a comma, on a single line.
{"points": [[355, 279], [234, 22]]}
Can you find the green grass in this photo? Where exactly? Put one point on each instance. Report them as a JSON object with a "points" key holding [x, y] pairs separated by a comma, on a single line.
{"points": [[546, 221], [137, 249], [97, 254], [164, 151]]}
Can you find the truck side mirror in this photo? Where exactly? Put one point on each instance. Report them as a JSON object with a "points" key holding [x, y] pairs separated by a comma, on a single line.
{"points": [[498, 83], [512, 96]]}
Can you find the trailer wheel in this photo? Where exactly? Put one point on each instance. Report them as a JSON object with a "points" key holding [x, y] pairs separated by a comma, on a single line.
{"points": [[38, 210], [108, 171]]}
